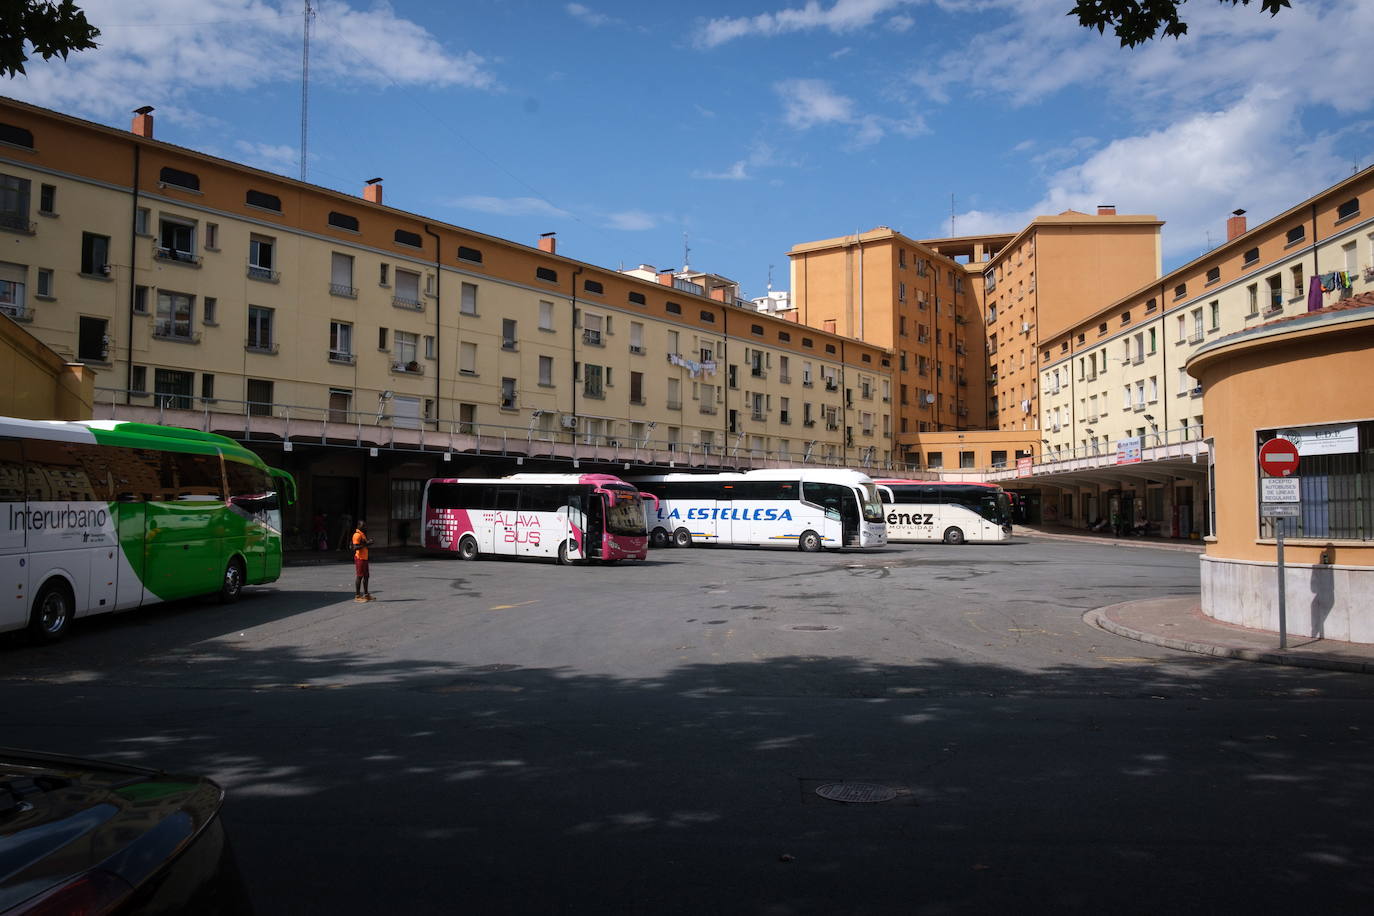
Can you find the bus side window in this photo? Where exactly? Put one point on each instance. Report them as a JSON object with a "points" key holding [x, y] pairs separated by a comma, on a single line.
{"points": [[136, 473], [507, 500], [250, 488], [11, 472], [199, 476], [57, 473]]}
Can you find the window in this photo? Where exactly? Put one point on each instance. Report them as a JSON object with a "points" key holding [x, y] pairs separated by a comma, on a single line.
{"points": [[407, 290], [1295, 273], [469, 254], [16, 136], [674, 394], [1251, 256], [508, 334], [1213, 315], [1213, 275], [546, 371], [636, 337], [966, 459], [47, 200], [263, 200], [341, 341], [174, 315], [138, 381], [1274, 283], [259, 397], [208, 311], [44, 287], [636, 387], [174, 389], [405, 351], [467, 358], [260, 257], [638, 298], [260, 328], [1348, 209], [507, 394], [341, 275], [95, 254], [1180, 291], [673, 308], [92, 339], [176, 240], [343, 221], [1252, 299], [188, 181], [468, 302], [140, 300], [1335, 486], [207, 386], [591, 329], [935, 459], [548, 274], [1296, 234], [142, 216], [545, 315], [593, 286], [407, 238], [708, 316], [1151, 305]]}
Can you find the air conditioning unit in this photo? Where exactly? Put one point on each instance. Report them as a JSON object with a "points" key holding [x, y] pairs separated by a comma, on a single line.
{"points": [[1025, 327], [569, 421], [613, 443]]}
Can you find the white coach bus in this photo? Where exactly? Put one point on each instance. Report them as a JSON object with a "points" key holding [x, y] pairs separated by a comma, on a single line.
{"points": [[928, 510], [806, 509]]}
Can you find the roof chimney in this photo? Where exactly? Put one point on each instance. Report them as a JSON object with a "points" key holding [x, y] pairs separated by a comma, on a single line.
{"points": [[143, 121], [1106, 209], [665, 276], [372, 190], [1235, 225], [548, 241]]}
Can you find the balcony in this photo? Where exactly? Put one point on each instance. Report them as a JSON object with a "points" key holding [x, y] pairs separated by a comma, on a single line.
{"points": [[343, 357], [179, 331], [708, 408], [509, 343], [265, 274], [637, 349], [406, 302], [341, 289], [17, 312], [674, 404], [756, 416], [808, 383], [176, 256], [785, 379], [591, 337], [758, 372], [407, 368], [259, 346], [17, 222], [832, 385]]}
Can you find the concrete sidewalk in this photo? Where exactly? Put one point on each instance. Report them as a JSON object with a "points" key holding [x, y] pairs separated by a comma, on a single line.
{"points": [[1178, 623], [1068, 533]]}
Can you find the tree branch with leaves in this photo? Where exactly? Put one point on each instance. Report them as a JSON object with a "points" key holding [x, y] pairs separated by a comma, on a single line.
{"points": [[51, 29], [1138, 21]]}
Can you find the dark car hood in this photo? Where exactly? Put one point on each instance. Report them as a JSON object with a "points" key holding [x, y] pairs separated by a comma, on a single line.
{"points": [[62, 816]]}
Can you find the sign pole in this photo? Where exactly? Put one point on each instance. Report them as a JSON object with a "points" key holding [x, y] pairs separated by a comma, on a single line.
{"points": [[1279, 525]]}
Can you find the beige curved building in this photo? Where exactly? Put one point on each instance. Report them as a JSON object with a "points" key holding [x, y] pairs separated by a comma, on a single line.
{"points": [[1306, 378]]}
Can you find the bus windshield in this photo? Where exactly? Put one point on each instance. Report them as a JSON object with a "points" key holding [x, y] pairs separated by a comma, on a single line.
{"points": [[872, 502], [624, 512]]}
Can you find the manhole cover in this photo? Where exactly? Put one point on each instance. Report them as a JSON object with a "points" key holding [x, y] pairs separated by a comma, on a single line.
{"points": [[861, 793], [813, 627]]}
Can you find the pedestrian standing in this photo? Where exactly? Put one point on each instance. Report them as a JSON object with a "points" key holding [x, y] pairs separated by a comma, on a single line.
{"points": [[361, 541]]}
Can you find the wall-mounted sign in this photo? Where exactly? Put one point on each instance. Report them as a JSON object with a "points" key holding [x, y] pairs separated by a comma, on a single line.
{"points": [[1336, 439], [1128, 450]]}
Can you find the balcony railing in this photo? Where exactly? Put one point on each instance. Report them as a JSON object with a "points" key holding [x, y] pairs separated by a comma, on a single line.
{"points": [[342, 289], [261, 346], [180, 257], [17, 312], [17, 222], [265, 274], [343, 357], [175, 330], [407, 368], [406, 302]]}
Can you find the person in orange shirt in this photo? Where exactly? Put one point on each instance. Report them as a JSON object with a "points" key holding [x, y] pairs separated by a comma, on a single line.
{"points": [[361, 541]]}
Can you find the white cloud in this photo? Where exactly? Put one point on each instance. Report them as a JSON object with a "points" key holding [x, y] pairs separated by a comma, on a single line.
{"points": [[738, 171], [160, 52], [589, 16], [284, 160], [901, 23], [760, 155], [808, 102], [1192, 172], [630, 221], [509, 206], [842, 16]]}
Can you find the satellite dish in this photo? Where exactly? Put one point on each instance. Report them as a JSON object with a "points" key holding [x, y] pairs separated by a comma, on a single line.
{"points": [[930, 399]]}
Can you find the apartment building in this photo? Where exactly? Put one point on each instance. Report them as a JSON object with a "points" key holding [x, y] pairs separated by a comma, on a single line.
{"points": [[903, 296], [1115, 383], [367, 348]]}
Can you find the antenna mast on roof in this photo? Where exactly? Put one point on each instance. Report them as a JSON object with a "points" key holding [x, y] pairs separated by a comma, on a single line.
{"points": [[686, 255], [308, 14], [951, 215]]}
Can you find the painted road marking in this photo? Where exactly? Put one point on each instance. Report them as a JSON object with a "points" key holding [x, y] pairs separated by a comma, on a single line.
{"points": [[507, 607]]}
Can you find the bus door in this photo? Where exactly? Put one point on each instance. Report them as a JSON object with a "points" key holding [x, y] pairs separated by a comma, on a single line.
{"points": [[838, 526], [721, 529], [14, 570]]}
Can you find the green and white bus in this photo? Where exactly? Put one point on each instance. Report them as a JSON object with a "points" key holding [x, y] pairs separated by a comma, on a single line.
{"points": [[101, 516]]}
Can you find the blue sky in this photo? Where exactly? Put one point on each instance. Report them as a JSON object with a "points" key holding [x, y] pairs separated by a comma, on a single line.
{"points": [[752, 125]]}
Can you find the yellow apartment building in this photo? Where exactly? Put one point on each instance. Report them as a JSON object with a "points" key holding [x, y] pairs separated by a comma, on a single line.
{"points": [[367, 348], [1122, 417], [901, 295]]}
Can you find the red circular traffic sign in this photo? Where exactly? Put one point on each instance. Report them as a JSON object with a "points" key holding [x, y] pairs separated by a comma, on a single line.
{"points": [[1278, 457]]}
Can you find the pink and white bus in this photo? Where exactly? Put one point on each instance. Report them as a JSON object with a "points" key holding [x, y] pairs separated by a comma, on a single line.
{"points": [[570, 517]]}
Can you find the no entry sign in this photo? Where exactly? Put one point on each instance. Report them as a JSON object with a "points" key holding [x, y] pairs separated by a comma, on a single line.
{"points": [[1278, 457]]}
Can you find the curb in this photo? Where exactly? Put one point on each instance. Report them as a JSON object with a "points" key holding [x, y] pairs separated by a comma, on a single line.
{"points": [[1109, 542], [1099, 619]]}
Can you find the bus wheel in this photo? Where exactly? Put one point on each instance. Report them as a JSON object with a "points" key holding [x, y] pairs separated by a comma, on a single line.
{"points": [[232, 584], [52, 612], [658, 538], [565, 550], [682, 538], [467, 547], [954, 536], [809, 542]]}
